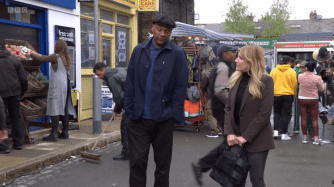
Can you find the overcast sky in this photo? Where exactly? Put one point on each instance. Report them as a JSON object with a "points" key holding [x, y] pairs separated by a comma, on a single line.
{"points": [[210, 10]]}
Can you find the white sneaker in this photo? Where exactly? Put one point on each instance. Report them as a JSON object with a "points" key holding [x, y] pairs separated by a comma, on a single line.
{"points": [[276, 134], [285, 137]]}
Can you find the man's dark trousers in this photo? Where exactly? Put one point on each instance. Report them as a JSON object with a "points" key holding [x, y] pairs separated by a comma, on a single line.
{"points": [[141, 134], [124, 135], [282, 112], [18, 130]]}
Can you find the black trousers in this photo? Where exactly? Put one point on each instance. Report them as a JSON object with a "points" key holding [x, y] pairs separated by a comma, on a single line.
{"points": [[141, 134], [124, 135], [65, 120], [2, 116], [282, 112], [18, 129]]}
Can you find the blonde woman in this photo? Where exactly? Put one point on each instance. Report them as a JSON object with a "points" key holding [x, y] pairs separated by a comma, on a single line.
{"points": [[247, 114]]}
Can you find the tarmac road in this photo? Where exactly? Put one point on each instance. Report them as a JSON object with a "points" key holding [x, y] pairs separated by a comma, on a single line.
{"points": [[291, 164]]}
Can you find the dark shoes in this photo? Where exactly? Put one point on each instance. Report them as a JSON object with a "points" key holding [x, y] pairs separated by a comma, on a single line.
{"points": [[64, 135], [198, 173], [4, 151], [17, 147], [121, 157], [53, 136]]}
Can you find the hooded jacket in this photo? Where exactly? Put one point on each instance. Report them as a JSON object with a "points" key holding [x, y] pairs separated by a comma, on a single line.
{"points": [[285, 80], [12, 75], [115, 79]]}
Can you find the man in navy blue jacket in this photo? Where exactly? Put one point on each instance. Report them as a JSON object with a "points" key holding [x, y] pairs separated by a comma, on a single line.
{"points": [[154, 96]]}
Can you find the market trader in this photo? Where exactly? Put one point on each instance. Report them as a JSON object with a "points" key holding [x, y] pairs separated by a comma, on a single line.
{"points": [[154, 96], [115, 79], [13, 84]]}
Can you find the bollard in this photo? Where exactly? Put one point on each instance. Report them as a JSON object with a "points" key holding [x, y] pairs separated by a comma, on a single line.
{"points": [[96, 105]]}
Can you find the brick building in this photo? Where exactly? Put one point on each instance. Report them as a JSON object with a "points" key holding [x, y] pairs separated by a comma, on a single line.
{"points": [[179, 10]]}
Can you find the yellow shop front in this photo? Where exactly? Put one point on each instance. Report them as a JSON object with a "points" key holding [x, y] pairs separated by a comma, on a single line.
{"points": [[117, 38]]}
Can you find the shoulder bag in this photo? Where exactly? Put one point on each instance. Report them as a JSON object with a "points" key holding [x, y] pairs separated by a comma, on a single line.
{"points": [[231, 167]]}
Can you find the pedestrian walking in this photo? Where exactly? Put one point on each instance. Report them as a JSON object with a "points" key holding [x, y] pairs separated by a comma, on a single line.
{"points": [[154, 95], [13, 85], [218, 87], [115, 79], [248, 111], [59, 101], [219, 79], [309, 86], [285, 86]]}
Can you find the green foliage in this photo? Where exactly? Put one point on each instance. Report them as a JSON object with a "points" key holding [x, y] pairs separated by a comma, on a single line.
{"points": [[276, 19], [237, 20]]}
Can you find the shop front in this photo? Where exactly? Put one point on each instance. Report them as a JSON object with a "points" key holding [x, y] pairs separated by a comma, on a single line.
{"points": [[37, 25], [117, 37]]}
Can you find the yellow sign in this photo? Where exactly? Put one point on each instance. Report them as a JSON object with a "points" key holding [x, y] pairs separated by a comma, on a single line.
{"points": [[128, 2], [148, 5]]}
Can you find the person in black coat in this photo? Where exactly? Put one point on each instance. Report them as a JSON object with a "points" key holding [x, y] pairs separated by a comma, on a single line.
{"points": [[155, 90], [13, 84]]}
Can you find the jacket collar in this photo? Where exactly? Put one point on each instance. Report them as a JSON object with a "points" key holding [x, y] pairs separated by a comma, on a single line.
{"points": [[168, 45]]}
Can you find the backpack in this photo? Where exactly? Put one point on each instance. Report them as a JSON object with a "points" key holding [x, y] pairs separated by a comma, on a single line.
{"points": [[205, 54]]}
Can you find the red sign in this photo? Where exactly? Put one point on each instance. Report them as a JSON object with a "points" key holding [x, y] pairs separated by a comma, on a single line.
{"points": [[301, 45]]}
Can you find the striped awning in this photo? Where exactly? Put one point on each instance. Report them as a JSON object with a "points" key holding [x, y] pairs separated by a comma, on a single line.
{"points": [[183, 29]]}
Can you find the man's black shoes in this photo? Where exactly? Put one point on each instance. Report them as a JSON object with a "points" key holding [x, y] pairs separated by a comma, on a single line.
{"points": [[4, 151], [121, 157], [198, 173]]}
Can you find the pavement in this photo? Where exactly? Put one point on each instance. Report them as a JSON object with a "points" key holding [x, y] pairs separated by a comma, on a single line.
{"points": [[40, 154]]}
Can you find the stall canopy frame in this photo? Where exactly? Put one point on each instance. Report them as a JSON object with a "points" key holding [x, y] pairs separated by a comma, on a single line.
{"points": [[183, 29]]}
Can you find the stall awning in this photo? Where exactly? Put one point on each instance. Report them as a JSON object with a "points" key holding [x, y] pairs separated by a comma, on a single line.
{"points": [[183, 29]]}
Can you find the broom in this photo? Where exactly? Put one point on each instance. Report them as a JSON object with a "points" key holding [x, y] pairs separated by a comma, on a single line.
{"points": [[95, 156]]}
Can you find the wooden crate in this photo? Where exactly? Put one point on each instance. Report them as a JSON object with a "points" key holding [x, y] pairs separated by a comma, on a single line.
{"points": [[29, 108]]}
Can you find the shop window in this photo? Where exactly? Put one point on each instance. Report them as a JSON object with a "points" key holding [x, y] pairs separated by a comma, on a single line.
{"points": [[125, 20], [18, 13], [108, 16], [86, 10], [106, 28], [122, 46], [20, 33], [87, 43]]}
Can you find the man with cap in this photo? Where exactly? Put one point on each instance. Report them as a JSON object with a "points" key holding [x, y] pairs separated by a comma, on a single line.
{"points": [[219, 87], [285, 90], [154, 96]]}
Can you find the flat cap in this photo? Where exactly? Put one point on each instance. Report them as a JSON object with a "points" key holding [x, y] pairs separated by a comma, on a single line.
{"points": [[224, 48], [165, 21]]}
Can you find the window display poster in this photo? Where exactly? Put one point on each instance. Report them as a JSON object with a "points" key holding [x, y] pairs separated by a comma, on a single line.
{"points": [[91, 37], [91, 53], [121, 46], [107, 103]]}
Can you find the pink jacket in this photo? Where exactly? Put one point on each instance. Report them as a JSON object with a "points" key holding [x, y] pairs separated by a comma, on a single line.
{"points": [[310, 84]]}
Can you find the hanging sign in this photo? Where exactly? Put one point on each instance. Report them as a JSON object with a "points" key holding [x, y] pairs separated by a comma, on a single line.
{"points": [[65, 33], [148, 5]]}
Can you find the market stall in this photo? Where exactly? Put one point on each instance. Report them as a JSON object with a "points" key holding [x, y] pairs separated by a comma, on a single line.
{"points": [[194, 41], [33, 102]]}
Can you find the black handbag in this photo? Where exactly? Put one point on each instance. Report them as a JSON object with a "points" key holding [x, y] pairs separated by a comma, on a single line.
{"points": [[231, 167]]}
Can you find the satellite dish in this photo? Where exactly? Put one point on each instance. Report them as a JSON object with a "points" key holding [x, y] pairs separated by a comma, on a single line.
{"points": [[319, 16]]}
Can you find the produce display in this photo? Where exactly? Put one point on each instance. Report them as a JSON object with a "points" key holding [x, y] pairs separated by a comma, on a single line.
{"points": [[40, 77], [19, 51]]}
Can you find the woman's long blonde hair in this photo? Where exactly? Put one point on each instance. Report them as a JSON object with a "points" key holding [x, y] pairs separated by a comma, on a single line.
{"points": [[253, 55]]}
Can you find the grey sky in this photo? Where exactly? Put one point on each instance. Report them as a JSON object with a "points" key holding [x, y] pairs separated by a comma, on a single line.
{"points": [[210, 10]]}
